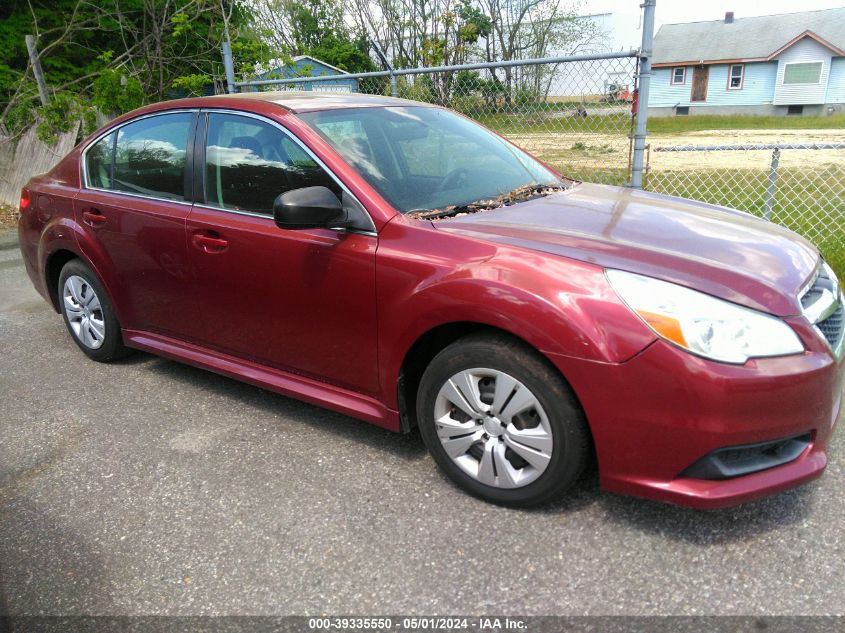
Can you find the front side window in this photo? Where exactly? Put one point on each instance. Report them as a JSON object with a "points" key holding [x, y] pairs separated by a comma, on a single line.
{"points": [[679, 75], [735, 76], [421, 158], [98, 163], [150, 156], [250, 162], [802, 73]]}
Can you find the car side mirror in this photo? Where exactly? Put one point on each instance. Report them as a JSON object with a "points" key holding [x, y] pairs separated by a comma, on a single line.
{"points": [[309, 208]]}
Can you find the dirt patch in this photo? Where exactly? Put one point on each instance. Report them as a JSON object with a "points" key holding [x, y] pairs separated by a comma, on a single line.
{"points": [[745, 159], [8, 216], [563, 147]]}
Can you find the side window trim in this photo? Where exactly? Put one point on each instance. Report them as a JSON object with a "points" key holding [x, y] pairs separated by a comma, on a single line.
{"points": [[190, 186], [84, 181], [108, 159], [113, 157], [199, 189], [198, 152]]}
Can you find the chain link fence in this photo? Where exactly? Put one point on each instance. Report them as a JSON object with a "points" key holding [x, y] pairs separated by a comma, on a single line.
{"points": [[577, 114], [799, 184], [574, 113]]}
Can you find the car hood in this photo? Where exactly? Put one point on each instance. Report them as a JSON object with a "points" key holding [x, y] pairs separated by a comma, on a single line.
{"points": [[724, 253]]}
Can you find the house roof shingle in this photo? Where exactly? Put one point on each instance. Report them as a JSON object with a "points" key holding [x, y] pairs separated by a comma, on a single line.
{"points": [[745, 38]]}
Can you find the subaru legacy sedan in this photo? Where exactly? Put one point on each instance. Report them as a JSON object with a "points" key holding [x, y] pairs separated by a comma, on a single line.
{"points": [[398, 263]]}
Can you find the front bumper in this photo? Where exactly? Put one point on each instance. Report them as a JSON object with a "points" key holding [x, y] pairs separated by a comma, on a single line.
{"points": [[657, 414]]}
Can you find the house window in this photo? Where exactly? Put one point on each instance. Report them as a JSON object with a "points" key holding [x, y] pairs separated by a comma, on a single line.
{"points": [[682, 110], [679, 75], [795, 110], [802, 73], [736, 75]]}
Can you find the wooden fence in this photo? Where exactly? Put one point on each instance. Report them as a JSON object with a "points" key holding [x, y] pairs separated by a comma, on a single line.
{"points": [[28, 157]]}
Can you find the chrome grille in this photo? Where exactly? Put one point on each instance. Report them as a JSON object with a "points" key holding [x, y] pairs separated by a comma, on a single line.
{"points": [[823, 305], [813, 294], [832, 327]]}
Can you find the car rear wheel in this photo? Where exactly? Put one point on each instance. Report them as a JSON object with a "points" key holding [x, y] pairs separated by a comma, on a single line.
{"points": [[88, 313], [501, 422]]}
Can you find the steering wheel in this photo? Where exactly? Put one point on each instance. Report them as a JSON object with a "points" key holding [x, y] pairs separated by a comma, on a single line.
{"points": [[454, 178]]}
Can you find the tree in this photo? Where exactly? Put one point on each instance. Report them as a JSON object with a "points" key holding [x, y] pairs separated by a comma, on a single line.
{"points": [[531, 29], [312, 27], [423, 33], [113, 54]]}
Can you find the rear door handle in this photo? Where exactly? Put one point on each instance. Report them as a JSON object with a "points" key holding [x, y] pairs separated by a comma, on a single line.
{"points": [[210, 243], [93, 217]]}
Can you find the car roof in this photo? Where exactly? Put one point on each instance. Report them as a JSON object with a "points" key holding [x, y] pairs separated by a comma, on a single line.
{"points": [[304, 101], [265, 103]]}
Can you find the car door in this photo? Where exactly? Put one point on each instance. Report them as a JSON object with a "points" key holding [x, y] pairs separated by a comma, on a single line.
{"points": [[299, 300], [133, 204]]}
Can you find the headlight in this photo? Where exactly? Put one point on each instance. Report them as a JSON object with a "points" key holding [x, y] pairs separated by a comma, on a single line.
{"points": [[702, 324]]}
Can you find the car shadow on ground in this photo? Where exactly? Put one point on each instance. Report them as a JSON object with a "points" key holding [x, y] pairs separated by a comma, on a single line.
{"points": [[407, 446], [713, 527]]}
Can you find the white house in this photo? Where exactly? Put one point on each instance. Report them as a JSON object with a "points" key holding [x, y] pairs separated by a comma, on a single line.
{"points": [[793, 63]]}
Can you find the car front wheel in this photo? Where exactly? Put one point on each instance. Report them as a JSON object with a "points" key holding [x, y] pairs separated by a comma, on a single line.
{"points": [[501, 422], [88, 313]]}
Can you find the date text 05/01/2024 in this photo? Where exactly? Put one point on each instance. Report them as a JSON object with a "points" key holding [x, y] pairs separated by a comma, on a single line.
{"points": [[416, 624]]}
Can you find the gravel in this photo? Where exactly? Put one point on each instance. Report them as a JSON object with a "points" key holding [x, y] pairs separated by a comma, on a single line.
{"points": [[149, 487]]}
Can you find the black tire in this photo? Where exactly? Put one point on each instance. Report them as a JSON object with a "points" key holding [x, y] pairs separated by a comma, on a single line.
{"points": [[112, 346], [570, 435]]}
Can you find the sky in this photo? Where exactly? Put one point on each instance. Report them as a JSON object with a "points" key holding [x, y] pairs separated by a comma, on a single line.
{"points": [[671, 11]]}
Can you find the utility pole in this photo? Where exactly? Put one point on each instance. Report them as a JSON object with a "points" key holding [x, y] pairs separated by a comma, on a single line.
{"points": [[229, 67], [36, 69], [394, 88], [228, 61]]}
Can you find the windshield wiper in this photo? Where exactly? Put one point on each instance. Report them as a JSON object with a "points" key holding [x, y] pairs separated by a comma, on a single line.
{"points": [[520, 194]]}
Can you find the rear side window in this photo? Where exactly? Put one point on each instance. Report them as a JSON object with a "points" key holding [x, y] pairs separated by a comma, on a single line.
{"points": [[250, 162], [150, 156], [98, 163]]}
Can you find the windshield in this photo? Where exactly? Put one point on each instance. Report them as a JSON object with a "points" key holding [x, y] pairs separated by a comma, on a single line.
{"points": [[422, 158]]}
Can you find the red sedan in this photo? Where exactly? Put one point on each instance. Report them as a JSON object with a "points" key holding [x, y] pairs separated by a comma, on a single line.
{"points": [[399, 263]]}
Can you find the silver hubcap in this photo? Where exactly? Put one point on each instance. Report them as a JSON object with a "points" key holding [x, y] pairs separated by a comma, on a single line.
{"points": [[493, 428], [84, 312]]}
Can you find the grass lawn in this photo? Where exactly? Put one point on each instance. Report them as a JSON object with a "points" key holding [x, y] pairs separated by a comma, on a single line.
{"points": [[697, 123], [556, 121]]}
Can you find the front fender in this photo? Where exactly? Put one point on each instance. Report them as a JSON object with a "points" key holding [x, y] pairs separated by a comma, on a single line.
{"points": [[558, 306]]}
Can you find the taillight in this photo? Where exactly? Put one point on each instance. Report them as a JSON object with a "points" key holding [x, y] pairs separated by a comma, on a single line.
{"points": [[25, 199]]}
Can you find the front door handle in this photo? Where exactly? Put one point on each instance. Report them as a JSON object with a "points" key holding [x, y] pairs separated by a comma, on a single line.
{"points": [[210, 243], [93, 217]]}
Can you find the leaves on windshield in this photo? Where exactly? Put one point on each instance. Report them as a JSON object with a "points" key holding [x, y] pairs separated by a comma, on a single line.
{"points": [[521, 194]]}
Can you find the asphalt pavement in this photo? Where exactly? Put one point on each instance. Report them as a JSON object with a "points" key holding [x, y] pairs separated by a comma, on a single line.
{"points": [[150, 487]]}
